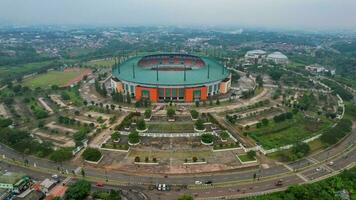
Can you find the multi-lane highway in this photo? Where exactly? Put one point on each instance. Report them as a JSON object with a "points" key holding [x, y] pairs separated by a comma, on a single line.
{"points": [[230, 183]]}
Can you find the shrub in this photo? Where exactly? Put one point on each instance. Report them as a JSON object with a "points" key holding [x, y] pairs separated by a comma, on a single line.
{"points": [[171, 112], [207, 138], [91, 154], [148, 113], [194, 114], [137, 159], [251, 154], [199, 124], [195, 159], [337, 132], [265, 122]]}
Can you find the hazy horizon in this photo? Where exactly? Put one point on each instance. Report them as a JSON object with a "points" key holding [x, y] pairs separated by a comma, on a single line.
{"points": [[291, 14]]}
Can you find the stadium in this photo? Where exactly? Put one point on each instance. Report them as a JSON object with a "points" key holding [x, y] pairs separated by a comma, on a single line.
{"points": [[171, 77]]}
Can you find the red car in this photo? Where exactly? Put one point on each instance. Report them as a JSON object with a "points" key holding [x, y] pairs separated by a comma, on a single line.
{"points": [[99, 184]]}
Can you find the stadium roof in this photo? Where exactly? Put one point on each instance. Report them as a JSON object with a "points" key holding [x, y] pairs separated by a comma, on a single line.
{"points": [[144, 76], [252, 52], [277, 55]]}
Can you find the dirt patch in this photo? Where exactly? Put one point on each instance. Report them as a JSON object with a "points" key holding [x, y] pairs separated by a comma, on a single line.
{"points": [[85, 72]]}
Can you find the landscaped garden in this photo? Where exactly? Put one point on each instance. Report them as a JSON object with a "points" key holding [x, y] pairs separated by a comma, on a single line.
{"points": [[300, 127]]}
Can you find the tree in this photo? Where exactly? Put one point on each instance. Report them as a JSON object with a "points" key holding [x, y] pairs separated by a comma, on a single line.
{"points": [[79, 190], [5, 122], [61, 155], [65, 96], [91, 154], [115, 136], [265, 122], [134, 137], [141, 124], [207, 138], [259, 81], [301, 149], [199, 124]]}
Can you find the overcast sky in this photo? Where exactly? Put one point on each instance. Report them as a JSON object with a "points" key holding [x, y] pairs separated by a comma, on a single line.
{"points": [[296, 14]]}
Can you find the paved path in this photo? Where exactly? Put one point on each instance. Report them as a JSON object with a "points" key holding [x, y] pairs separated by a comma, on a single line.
{"points": [[100, 138]]}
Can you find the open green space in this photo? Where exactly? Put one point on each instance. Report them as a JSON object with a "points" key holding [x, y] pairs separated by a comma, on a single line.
{"points": [[290, 131], [45, 80], [171, 127], [6, 71], [246, 158], [100, 63]]}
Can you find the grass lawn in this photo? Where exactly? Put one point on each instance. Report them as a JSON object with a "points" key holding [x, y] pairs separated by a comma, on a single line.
{"points": [[246, 158], [21, 69], [45, 80], [179, 154], [171, 127], [289, 131], [74, 95], [350, 111], [101, 63]]}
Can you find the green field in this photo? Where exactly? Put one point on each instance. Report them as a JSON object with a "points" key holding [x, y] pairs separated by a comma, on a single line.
{"points": [[246, 158], [288, 132], [100, 63], [171, 127], [22, 69], [59, 78]]}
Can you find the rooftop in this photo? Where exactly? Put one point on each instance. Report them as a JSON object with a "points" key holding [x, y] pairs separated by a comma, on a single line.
{"points": [[278, 55], [212, 71], [10, 177]]}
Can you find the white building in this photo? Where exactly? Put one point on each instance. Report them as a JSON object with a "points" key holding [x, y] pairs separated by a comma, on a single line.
{"points": [[316, 68], [255, 56], [278, 58]]}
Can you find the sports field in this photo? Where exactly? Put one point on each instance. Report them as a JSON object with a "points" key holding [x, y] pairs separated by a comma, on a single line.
{"points": [[60, 78]]}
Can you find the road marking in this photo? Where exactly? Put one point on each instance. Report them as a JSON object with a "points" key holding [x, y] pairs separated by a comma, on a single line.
{"points": [[288, 167], [302, 177], [312, 160], [329, 168]]}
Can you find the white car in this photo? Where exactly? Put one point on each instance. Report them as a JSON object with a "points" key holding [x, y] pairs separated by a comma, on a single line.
{"points": [[318, 169], [331, 163], [198, 182]]}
